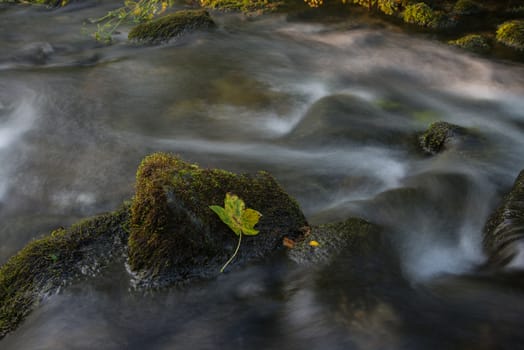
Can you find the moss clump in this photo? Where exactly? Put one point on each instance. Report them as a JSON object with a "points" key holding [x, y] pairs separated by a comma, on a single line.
{"points": [[242, 5], [505, 227], [172, 25], [421, 14], [49, 263], [355, 234], [511, 34], [436, 138], [472, 42], [466, 7], [175, 236], [389, 7]]}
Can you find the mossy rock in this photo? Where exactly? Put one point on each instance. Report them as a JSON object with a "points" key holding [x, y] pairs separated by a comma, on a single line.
{"points": [[49, 263], [420, 14], [511, 34], [354, 233], [472, 42], [176, 237], [466, 7], [442, 136], [247, 6], [170, 26], [389, 7], [504, 230]]}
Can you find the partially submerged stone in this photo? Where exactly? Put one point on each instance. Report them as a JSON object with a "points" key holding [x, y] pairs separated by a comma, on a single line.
{"points": [[442, 136], [504, 230], [472, 42], [170, 26], [176, 237], [47, 264]]}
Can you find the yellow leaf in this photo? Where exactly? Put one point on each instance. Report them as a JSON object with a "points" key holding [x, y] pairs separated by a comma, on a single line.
{"points": [[314, 243]]}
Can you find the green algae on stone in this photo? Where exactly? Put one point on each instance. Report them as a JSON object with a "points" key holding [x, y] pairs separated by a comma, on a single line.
{"points": [[172, 25], [176, 237], [436, 138], [248, 6], [389, 7], [420, 14], [472, 42], [511, 33], [505, 227], [47, 264]]}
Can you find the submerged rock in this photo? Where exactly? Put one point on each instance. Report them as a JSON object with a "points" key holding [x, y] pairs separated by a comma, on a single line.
{"points": [[339, 119], [47, 264], [504, 230], [176, 237], [443, 136], [172, 25]]}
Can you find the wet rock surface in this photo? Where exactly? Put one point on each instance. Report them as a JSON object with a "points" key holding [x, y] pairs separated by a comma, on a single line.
{"points": [[504, 230]]}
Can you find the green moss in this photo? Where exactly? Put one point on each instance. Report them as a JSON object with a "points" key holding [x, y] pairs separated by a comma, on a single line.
{"points": [[47, 264], [388, 7], [505, 226], [421, 14], [466, 7], [172, 25], [435, 138], [511, 34], [354, 234], [174, 234], [242, 5], [472, 42]]}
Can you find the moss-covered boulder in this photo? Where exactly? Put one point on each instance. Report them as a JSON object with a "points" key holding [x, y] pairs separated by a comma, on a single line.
{"points": [[170, 26], [466, 7], [442, 136], [511, 34], [248, 6], [420, 14], [49, 263], [504, 230], [472, 42], [175, 236]]}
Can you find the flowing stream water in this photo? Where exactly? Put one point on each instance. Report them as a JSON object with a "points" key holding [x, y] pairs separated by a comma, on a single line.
{"points": [[330, 110]]}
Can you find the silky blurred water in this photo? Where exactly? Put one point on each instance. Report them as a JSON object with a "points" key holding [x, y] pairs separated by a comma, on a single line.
{"points": [[330, 110]]}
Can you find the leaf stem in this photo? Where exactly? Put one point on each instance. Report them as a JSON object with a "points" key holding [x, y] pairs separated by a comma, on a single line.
{"points": [[234, 254]]}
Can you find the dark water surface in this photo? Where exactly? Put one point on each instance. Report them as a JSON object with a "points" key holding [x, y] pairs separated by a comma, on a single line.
{"points": [[330, 110]]}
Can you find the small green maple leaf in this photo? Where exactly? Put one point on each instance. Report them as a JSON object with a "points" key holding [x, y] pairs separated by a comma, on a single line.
{"points": [[239, 219]]}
